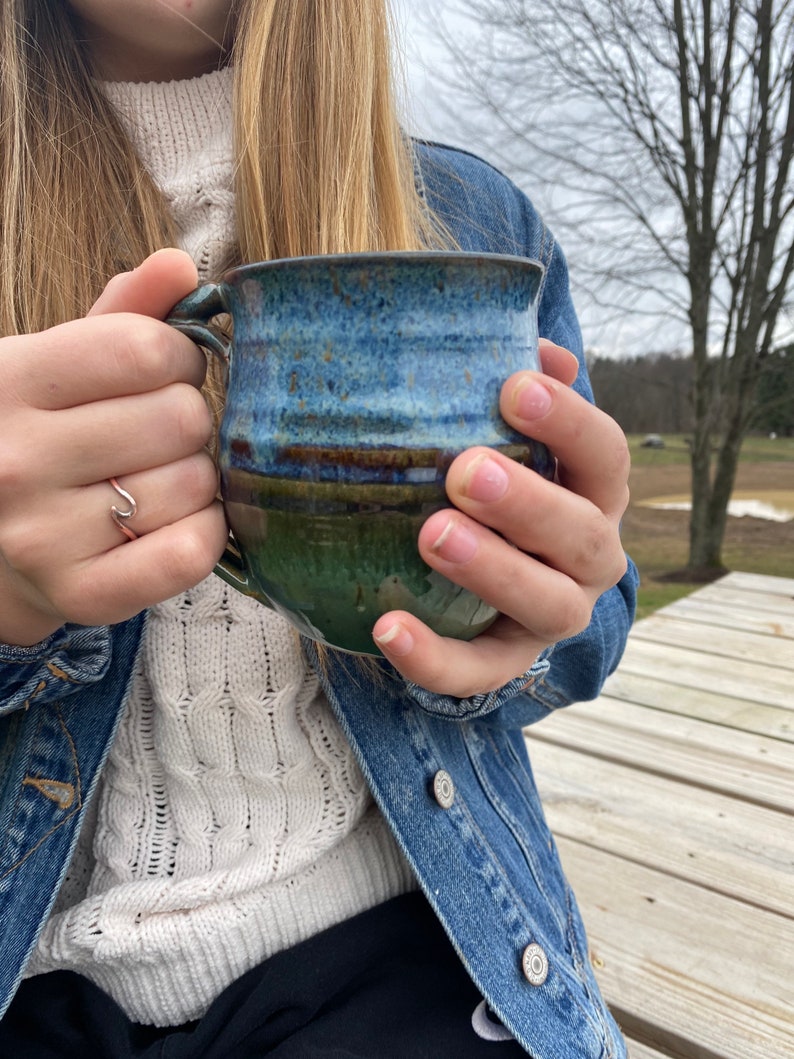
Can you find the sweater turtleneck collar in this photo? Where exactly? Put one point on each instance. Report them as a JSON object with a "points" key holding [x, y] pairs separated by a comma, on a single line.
{"points": [[173, 122]]}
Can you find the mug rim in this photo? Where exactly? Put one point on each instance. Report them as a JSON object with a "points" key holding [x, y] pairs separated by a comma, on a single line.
{"points": [[240, 272]]}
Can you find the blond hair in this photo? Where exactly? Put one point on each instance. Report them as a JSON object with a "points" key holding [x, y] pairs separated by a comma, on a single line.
{"points": [[319, 144], [323, 165]]}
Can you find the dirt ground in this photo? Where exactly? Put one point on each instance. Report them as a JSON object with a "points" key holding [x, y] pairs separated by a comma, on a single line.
{"points": [[658, 539]]}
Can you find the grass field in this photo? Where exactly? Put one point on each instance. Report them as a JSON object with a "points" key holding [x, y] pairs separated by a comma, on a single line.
{"points": [[658, 540], [676, 451]]}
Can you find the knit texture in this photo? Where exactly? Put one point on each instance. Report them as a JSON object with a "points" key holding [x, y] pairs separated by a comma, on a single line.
{"points": [[232, 819]]}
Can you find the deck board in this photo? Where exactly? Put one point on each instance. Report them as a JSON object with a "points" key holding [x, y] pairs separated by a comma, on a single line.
{"points": [[672, 799], [739, 678], [748, 766], [713, 840], [700, 633], [747, 715], [642, 1051], [736, 611], [680, 963]]}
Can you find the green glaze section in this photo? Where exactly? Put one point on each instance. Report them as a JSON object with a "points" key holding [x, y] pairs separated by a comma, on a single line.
{"points": [[334, 568]]}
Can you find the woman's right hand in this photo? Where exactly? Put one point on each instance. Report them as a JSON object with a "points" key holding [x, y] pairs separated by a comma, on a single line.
{"points": [[116, 394]]}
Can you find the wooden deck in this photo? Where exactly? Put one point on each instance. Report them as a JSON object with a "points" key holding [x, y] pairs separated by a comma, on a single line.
{"points": [[672, 799]]}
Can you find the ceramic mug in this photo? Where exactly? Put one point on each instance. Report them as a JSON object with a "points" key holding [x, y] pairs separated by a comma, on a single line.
{"points": [[352, 382]]}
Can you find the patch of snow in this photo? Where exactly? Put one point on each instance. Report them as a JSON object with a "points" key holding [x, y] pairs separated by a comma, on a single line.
{"points": [[738, 509]]}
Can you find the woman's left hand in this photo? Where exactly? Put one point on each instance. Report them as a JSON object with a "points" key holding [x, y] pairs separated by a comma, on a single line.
{"points": [[556, 546]]}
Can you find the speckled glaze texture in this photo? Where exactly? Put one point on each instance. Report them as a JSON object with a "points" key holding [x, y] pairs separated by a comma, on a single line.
{"points": [[353, 381]]}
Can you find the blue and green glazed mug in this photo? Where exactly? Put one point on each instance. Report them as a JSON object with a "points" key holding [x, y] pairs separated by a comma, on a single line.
{"points": [[352, 383]]}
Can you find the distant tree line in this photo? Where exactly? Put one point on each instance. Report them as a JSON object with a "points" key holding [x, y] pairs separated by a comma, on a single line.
{"points": [[775, 397], [654, 393]]}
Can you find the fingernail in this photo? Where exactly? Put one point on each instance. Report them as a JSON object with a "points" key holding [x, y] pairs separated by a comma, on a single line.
{"points": [[456, 543], [397, 640], [485, 480], [532, 400]]}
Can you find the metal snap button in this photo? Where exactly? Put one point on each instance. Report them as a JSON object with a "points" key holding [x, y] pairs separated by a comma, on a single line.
{"points": [[443, 789], [535, 964]]}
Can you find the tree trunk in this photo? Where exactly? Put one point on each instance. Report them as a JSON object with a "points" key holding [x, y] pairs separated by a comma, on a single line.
{"points": [[704, 547], [705, 534]]}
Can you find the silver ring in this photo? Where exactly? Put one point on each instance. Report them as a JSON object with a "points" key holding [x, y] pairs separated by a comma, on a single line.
{"points": [[120, 516]]}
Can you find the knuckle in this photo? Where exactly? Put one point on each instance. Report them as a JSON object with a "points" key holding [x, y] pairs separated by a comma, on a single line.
{"points": [[617, 458], [192, 560], [572, 616], [13, 363], [592, 540], [436, 678], [200, 479], [74, 602], [599, 556], [25, 546], [623, 502], [619, 566], [191, 418], [142, 349], [14, 473], [84, 600]]}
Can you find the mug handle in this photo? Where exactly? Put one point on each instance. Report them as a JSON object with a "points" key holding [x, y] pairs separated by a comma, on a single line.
{"points": [[192, 316]]}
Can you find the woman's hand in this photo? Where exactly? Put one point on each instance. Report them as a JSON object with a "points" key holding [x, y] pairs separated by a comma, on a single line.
{"points": [[556, 548], [113, 395]]}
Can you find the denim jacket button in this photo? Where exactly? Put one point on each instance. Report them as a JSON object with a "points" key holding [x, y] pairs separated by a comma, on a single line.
{"points": [[535, 964], [443, 789]]}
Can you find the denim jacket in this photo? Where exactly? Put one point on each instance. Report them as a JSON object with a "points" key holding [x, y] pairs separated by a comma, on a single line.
{"points": [[451, 776]]}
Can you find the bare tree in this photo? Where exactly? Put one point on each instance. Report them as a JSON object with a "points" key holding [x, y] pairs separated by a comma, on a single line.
{"points": [[663, 131]]}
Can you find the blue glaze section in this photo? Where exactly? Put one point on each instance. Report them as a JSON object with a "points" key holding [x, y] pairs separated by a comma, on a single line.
{"points": [[373, 352]]}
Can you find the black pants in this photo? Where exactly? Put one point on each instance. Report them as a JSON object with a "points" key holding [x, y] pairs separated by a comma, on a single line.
{"points": [[384, 985]]}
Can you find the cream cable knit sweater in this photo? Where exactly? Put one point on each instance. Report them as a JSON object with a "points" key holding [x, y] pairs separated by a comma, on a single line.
{"points": [[232, 820]]}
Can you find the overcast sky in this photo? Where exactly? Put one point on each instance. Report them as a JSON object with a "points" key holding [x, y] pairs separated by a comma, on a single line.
{"points": [[424, 58]]}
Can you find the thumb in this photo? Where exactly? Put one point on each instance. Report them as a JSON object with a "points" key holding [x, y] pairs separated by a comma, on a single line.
{"points": [[152, 289]]}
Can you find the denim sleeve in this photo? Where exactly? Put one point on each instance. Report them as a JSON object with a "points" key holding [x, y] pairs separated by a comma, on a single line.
{"points": [[68, 659]]}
